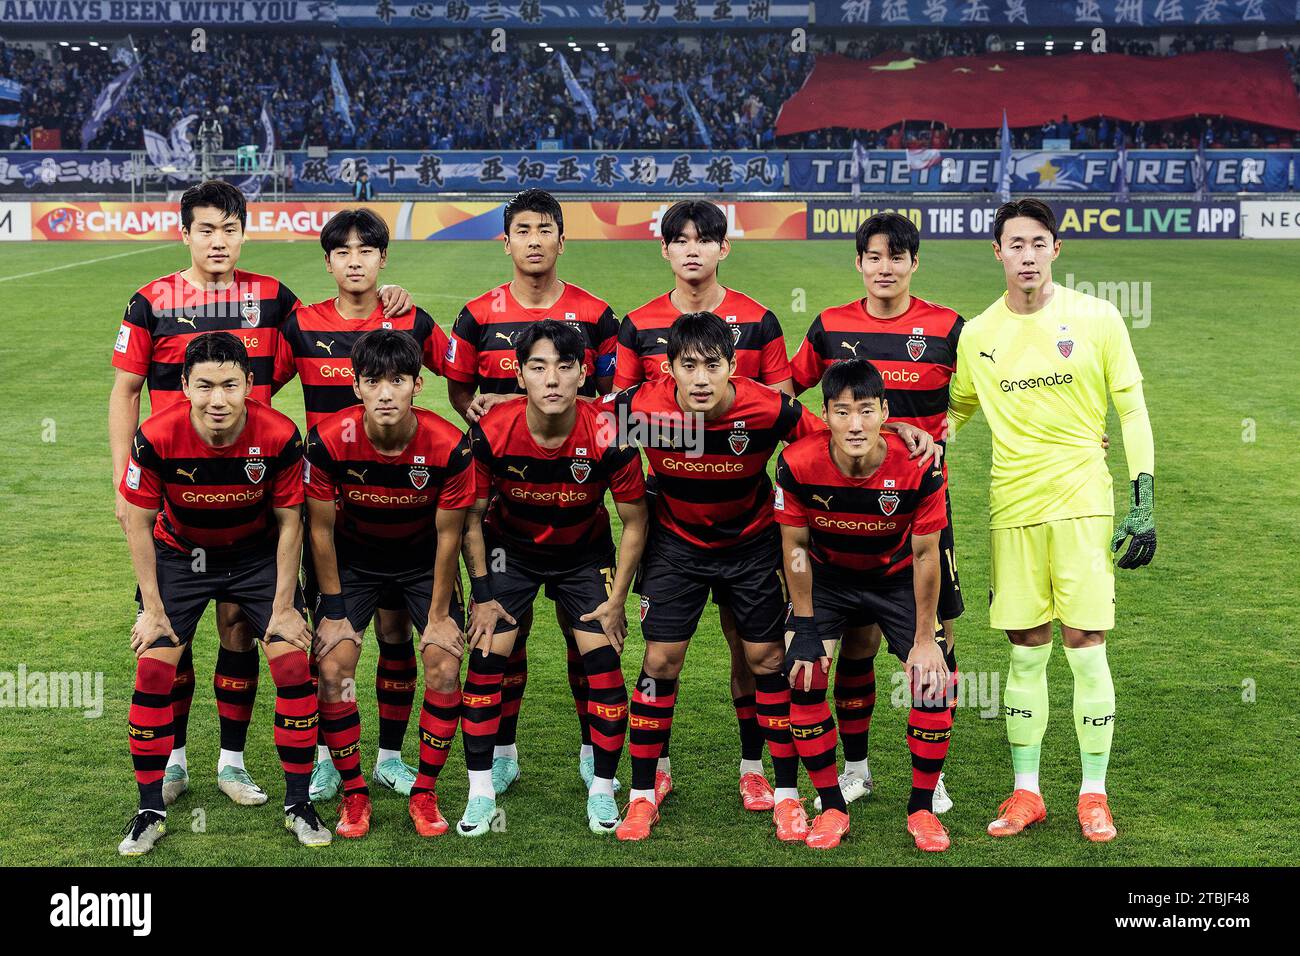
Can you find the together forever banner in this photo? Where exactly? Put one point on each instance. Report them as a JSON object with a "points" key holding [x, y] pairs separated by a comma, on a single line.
{"points": [[26, 173]]}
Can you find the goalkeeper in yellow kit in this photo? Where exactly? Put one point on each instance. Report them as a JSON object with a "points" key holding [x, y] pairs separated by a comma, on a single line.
{"points": [[1042, 362]]}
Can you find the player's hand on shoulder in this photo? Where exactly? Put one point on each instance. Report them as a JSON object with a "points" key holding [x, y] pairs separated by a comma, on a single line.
{"points": [[148, 627], [482, 404], [395, 300], [613, 621], [920, 444], [331, 632], [443, 632], [289, 625]]}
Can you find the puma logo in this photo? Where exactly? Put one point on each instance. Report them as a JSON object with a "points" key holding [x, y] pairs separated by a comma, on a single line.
{"points": [[135, 443], [188, 321], [852, 348], [188, 474], [661, 341], [826, 502], [358, 475], [989, 356], [326, 348], [509, 338], [517, 471]]}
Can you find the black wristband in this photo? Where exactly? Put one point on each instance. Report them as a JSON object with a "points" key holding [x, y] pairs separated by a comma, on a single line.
{"points": [[806, 644], [332, 606], [481, 589]]}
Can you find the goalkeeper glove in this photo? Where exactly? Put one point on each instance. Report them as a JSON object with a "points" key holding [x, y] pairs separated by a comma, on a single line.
{"points": [[1140, 523]]}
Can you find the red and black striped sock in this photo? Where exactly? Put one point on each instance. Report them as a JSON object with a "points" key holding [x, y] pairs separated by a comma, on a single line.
{"points": [[480, 715], [513, 684], [772, 704], [340, 725], [929, 732], [438, 719], [650, 721], [751, 735], [182, 695], [149, 728], [814, 738], [855, 700], [395, 682], [578, 687], [606, 708], [297, 721], [235, 686], [313, 669]]}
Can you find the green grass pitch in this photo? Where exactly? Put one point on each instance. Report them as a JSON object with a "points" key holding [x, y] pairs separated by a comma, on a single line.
{"points": [[1204, 652]]}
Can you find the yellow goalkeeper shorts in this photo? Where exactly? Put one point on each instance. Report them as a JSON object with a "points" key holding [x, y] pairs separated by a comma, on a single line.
{"points": [[1055, 570]]}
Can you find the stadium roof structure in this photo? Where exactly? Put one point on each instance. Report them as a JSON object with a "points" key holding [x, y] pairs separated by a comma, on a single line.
{"points": [[971, 92]]}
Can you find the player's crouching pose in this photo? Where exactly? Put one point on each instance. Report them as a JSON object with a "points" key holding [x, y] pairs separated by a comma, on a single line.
{"points": [[388, 485], [545, 461], [214, 493], [860, 532]]}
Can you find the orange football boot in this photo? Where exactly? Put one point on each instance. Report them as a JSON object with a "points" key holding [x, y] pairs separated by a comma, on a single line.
{"points": [[428, 819], [930, 835], [1022, 809], [791, 821], [1095, 819], [354, 816], [828, 829], [755, 792]]}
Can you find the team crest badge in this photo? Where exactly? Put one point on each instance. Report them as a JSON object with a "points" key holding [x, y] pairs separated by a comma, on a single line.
{"points": [[735, 334], [419, 477], [645, 608], [738, 441], [916, 344], [1065, 346], [889, 502], [251, 311], [255, 470], [581, 470]]}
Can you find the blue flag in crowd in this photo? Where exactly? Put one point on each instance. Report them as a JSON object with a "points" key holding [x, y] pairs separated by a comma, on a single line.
{"points": [[576, 91], [1004, 184], [695, 116], [342, 102], [106, 102]]}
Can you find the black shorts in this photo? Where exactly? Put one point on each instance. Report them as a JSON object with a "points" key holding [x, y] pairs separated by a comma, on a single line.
{"points": [[247, 582], [390, 599], [675, 579], [410, 591], [951, 605], [840, 603], [578, 590]]}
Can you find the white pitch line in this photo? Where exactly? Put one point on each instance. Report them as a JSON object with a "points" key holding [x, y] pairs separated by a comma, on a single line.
{"points": [[84, 262]]}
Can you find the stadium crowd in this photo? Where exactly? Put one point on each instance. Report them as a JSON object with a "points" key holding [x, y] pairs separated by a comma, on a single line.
{"points": [[449, 91]]}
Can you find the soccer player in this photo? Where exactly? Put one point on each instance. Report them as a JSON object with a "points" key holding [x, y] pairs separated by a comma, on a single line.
{"points": [[693, 238], [709, 436], [913, 344], [860, 528], [1041, 361], [388, 485], [481, 358], [316, 343], [161, 319], [213, 490], [545, 461]]}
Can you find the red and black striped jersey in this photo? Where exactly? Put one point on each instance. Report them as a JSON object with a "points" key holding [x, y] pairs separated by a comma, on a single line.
{"points": [[316, 345], [916, 354], [708, 480], [860, 525], [217, 499], [163, 316], [482, 347], [387, 504], [548, 505], [643, 340]]}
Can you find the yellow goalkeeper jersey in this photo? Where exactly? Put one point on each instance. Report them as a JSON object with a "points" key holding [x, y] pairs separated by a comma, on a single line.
{"points": [[1044, 382]]}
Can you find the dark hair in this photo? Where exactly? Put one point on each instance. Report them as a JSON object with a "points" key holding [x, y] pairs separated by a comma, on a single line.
{"points": [[901, 232], [219, 347], [702, 333], [1030, 208], [371, 230], [534, 200], [383, 353], [218, 195], [568, 341], [857, 375], [710, 221]]}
